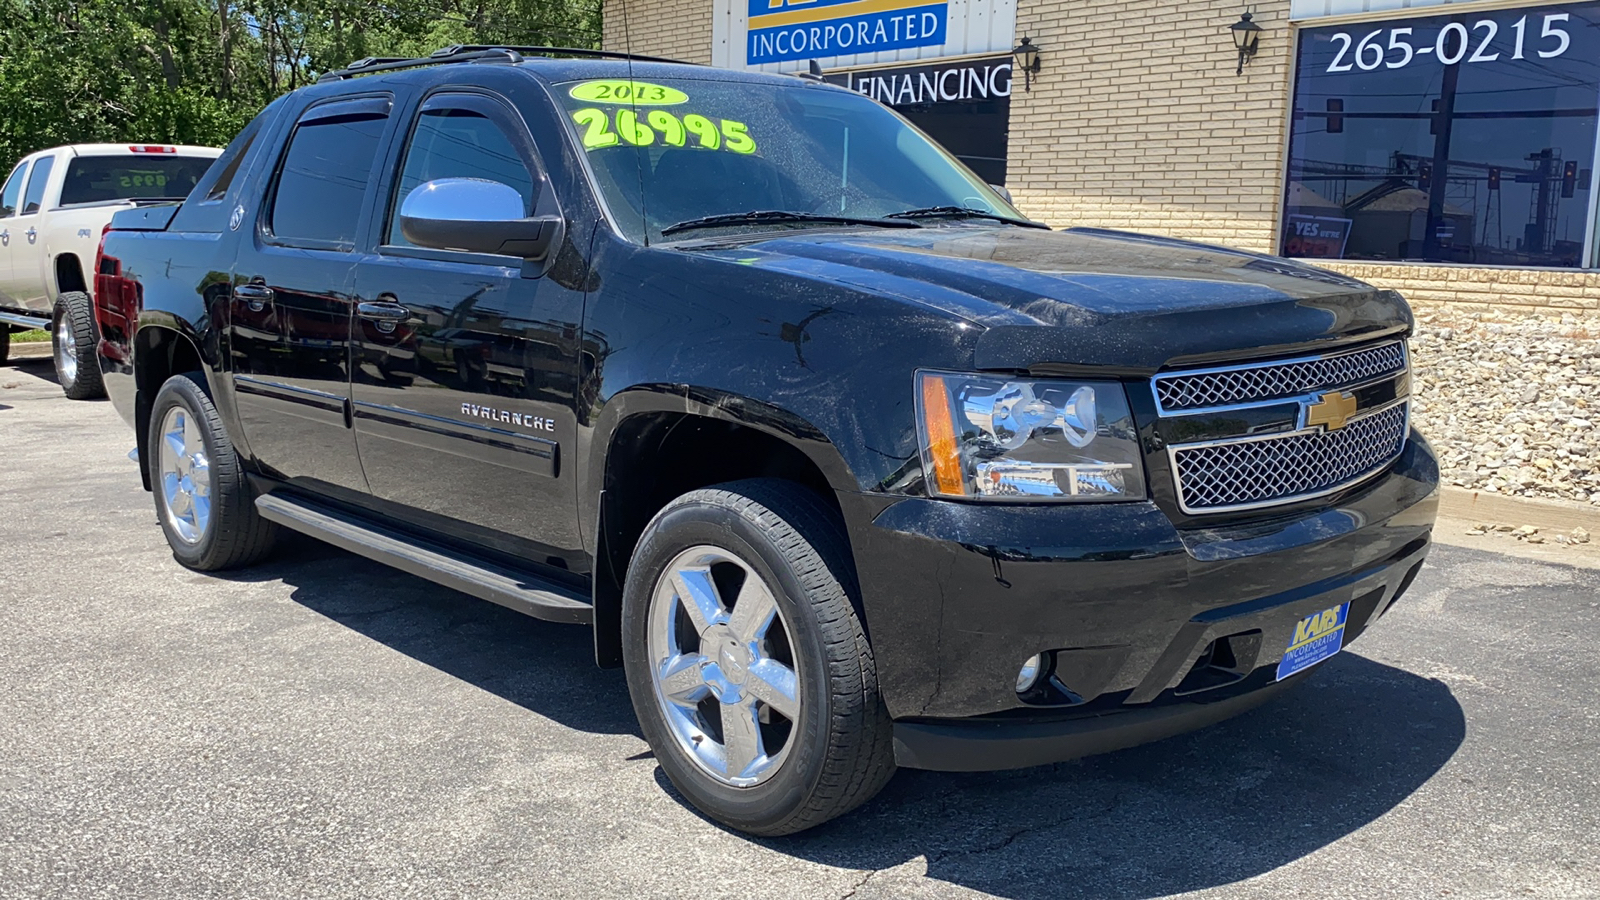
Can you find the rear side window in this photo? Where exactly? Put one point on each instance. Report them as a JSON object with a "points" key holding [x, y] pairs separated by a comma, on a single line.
{"points": [[323, 178], [203, 211], [36, 182], [99, 179], [233, 158], [13, 190]]}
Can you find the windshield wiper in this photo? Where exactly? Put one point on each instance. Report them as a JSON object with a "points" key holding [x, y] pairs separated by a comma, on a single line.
{"points": [[766, 216], [959, 212]]}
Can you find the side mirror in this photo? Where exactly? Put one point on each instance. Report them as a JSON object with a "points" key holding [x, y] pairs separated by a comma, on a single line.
{"points": [[475, 216], [1001, 190]]}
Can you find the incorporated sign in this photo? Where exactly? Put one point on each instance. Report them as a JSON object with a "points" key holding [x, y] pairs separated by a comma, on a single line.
{"points": [[955, 82], [780, 30]]}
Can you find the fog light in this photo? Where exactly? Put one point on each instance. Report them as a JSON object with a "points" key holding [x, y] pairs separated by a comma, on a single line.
{"points": [[1030, 673]]}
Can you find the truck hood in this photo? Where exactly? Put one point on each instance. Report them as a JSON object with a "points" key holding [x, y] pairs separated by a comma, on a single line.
{"points": [[1092, 298]]}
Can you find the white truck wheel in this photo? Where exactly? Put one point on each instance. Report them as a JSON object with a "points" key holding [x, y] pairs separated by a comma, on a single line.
{"points": [[73, 339]]}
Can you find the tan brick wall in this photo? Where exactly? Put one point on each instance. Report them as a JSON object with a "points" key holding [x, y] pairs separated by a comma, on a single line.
{"points": [[1138, 121], [676, 30], [1499, 288]]}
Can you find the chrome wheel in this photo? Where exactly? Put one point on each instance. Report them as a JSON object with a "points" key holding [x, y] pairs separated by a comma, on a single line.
{"points": [[724, 673], [66, 351], [185, 475]]}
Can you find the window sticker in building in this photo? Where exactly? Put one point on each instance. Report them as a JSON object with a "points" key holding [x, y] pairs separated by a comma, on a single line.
{"points": [[1455, 138]]}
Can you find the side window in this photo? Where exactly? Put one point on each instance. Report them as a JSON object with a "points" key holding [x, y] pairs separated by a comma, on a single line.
{"points": [[36, 182], [230, 168], [13, 190], [323, 177], [463, 137]]}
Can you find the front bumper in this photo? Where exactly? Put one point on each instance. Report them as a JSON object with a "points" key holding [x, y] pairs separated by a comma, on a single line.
{"points": [[979, 746], [956, 596]]}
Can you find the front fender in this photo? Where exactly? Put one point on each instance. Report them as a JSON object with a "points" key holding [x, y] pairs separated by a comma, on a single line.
{"points": [[707, 403]]}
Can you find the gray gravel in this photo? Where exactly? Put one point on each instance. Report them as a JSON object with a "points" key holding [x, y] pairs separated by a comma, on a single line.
{"points": [[323, 727], [1510, 399]]}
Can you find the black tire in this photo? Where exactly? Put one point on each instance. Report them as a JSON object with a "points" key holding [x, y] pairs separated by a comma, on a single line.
{"points": [[236, 535], [75, 335], [5, 343], [840, 748]]}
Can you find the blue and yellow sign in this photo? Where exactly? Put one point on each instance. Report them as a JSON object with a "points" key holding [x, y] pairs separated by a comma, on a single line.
{"points": [[1316, 637], [782, 30]]}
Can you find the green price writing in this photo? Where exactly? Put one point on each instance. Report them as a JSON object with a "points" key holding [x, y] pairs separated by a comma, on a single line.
{"points": [[642, 93], [601, 129], [143, 179]]}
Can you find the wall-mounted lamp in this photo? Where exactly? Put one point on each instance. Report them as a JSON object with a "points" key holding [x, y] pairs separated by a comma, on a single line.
{"points": [[1246, 34], [1027, 54]]}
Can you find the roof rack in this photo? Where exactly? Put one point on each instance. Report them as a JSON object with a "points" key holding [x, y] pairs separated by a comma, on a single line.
{"points": [[457, 53]]}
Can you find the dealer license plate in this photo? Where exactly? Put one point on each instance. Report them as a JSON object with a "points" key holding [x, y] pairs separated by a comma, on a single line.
{"points": [[1316, 637]]}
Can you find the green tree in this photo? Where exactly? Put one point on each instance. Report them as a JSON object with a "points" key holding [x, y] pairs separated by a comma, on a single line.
{"points": [[195, 71]]}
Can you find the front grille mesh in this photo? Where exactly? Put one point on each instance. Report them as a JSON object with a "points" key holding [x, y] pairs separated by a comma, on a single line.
{"points": [[1279, 469], [1269, 381]]}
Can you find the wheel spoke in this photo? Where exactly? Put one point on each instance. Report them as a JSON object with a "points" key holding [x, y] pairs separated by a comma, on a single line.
{"points": [[775, 684], [753, 610], [200, 474], [174, 441], [681, 679], [200, 510], [191, 436], [741, 737], [699, 597], [172, 489]]}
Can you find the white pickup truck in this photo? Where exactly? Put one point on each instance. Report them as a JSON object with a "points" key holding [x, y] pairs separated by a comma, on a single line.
{"points": [[53, 208]]}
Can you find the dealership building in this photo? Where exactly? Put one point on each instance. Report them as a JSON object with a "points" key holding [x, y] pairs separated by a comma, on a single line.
{"points": [[1447, 149]]}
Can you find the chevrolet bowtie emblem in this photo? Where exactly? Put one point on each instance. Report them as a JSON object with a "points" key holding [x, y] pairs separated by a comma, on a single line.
{"points": [[1332, 410]]}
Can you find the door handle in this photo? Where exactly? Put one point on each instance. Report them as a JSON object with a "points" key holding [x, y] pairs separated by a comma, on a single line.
{"points": [[5, 238], [32, 235], [386, 316], [383, 312], [255, 295]]}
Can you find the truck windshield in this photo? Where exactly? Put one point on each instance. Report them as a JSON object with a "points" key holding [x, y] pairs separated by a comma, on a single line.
{"points": [[698, 154], [97, 179]]}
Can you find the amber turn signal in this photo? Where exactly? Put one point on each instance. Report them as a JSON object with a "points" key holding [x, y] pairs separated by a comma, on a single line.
{"points": [[943, 451]]}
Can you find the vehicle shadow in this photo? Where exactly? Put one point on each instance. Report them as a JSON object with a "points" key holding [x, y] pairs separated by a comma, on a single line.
{"points": [[1233, 801], [42, 366], [541, 666]]}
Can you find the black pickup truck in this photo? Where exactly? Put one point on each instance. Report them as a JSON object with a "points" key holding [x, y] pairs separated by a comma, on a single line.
{"points": [[848, 463]]}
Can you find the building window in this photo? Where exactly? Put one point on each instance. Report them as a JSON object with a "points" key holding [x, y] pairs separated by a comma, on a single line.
{"points": [[1460, 138]]}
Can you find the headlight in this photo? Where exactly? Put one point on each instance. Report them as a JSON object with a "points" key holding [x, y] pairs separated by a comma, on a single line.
{"points": [[989, 438]]}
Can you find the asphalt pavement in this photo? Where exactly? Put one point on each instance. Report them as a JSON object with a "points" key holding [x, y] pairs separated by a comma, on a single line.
{"points": [[321, 726]]}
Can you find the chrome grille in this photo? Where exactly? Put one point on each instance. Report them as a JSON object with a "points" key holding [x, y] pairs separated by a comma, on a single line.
{"points": [[1228, 475], [1283, 379]]}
